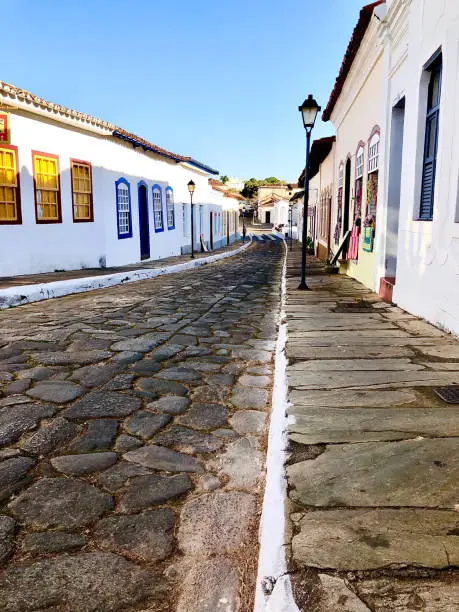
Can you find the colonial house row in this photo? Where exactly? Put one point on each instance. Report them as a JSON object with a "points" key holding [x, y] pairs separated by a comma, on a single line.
{"points": [[388, 186], [79, 192]]}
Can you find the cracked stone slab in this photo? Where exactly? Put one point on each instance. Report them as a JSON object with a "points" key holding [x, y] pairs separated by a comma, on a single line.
{"points": [[337, 596], [48, 437], [118, 476], [150, 490], [301, 379], [99, 435], [160, 458], [359, 398], [210, 585], [77, 465], [353, 365], [449, 351], [317, 426], [401, 595], [143, 537], [296, 350], [60, 502], [19, 418], [376, 538], [97, 404], [7, 531], [418, 472], [57, 391], [216, 523], [63, 582]]}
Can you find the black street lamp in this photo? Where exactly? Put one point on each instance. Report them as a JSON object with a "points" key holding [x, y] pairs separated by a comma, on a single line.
{"points": [[191, 188], [290, 210], [309, 110]]}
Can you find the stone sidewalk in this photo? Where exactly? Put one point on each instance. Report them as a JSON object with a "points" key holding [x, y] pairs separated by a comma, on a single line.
{"points": [[132, 437], [373, 453]]}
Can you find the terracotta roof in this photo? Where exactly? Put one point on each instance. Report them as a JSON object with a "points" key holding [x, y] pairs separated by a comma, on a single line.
{"points": [[320, 148], [22, 95], [232, 194], [356, 39]]}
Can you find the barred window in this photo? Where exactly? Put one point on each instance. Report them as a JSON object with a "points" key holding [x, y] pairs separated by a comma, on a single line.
{"points": [[81, 190], [10, 209]]}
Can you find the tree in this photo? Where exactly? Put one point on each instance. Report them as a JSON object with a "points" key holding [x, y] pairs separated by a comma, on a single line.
{"points": [[224, 179], [250, 190], [273, 181]]}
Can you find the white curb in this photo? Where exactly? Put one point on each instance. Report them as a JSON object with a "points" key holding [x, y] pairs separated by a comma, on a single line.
{"points": [[272, 564], [26, 294]]}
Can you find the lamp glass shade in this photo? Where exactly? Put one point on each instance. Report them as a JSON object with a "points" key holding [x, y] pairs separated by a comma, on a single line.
{"points": [[191, 187], [309, 110]]}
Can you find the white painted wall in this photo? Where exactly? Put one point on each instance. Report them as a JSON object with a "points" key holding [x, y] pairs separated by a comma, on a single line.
{"points": [[33, 248], [427, 281]]}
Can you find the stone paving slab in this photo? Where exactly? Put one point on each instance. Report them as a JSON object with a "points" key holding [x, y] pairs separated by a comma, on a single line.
{"points": [[376, 538], [417, 472], [318, 426]]}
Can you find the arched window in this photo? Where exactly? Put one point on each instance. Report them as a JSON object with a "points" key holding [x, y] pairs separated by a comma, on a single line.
{"points": [[123, 208], [373, 153], [158, 208], [358, 181], [170, 208]]}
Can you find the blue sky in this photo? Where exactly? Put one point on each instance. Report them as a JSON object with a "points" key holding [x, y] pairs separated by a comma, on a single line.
{"points": [[220, 81]]}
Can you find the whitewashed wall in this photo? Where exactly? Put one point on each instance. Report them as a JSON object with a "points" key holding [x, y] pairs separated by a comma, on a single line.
{"points": [[427, 280], [33, 248]]}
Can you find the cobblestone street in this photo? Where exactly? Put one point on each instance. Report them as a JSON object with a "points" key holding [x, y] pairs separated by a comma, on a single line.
{"points": [[132, 439]]}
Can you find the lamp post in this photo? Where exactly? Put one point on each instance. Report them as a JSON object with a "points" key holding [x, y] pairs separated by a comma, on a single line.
{"points": [[309, 110], [191, 188], [290, 210]]}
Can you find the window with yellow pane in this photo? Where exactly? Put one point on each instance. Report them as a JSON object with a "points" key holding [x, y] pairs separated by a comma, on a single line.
{"points": [[81, 190], [47, 187], [10, 197]]}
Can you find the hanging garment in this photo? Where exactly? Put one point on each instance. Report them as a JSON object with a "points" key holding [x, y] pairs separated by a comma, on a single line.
{"points": [[353, 251]]}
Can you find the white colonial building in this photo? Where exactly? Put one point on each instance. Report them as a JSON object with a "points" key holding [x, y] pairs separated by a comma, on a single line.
{"points": [[78, 192]]}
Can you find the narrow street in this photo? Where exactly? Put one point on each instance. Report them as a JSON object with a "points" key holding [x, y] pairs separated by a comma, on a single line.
{"points": [[133, 433]]}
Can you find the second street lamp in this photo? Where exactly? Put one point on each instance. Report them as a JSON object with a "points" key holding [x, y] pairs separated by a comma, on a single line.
{"points": [[309, 110], [191, 188]]}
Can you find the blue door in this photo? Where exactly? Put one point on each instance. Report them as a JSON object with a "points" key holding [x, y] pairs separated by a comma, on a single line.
{"points": [[144, 226]]}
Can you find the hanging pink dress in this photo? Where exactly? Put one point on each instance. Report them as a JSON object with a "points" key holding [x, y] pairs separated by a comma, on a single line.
{"points": [[353, 251]]}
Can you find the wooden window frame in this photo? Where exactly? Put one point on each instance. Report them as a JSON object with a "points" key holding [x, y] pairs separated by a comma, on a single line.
{"points": [[81, 162], [170, 207], [127, 185], [17, 221], [434, 66], [370, 166], [59, 206], [157, 188]]}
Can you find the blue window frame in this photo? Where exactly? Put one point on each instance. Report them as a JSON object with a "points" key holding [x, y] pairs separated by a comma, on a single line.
{"points": [[123, 208], [158, 208], [170, 208], [431, 140]]}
